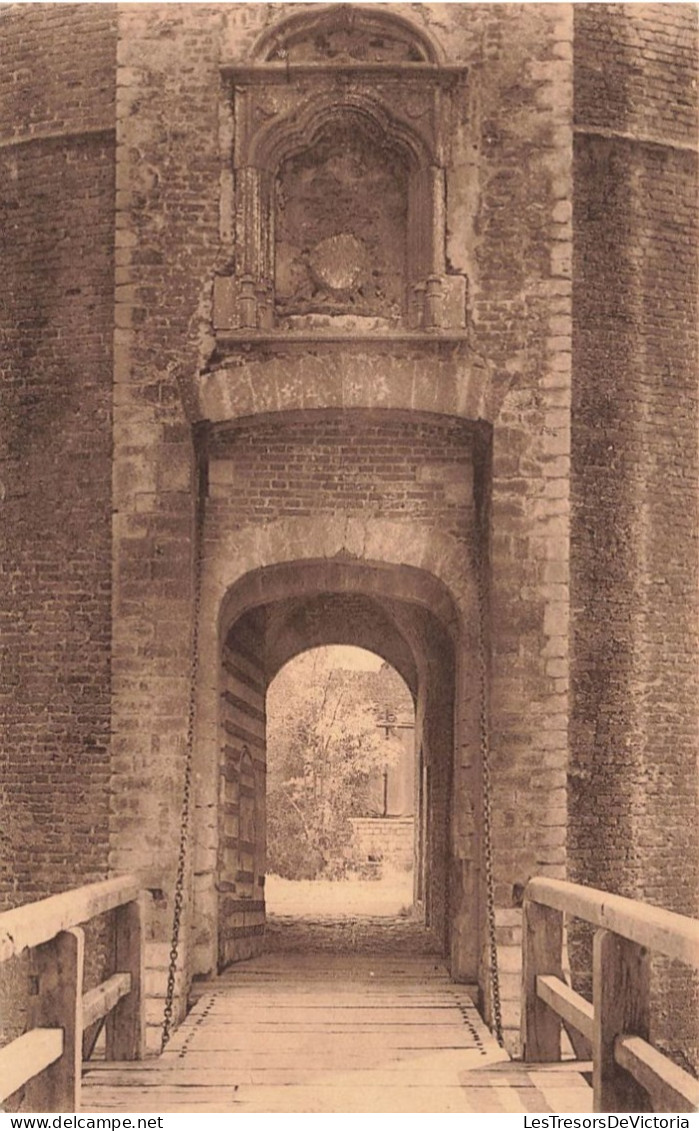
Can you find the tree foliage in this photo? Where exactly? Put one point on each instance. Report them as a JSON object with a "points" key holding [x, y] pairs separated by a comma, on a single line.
{"points": [[324, 745]]}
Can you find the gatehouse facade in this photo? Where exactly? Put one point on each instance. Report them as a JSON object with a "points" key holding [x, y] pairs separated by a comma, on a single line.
{"points": [[353, 325]]}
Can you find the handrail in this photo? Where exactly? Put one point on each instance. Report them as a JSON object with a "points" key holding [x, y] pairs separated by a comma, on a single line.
{"points": [[626, 1068], [666, 932], [35, 923], [47, 1059]]}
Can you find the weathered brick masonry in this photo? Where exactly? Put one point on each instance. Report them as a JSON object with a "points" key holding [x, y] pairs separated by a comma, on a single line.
{"points": [[633, 780], [56, 322], [357, 462], [57, 231]]}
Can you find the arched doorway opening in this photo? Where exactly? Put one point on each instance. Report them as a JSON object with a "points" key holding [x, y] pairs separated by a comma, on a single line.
{"points": [[344, 859], [407, 617]]}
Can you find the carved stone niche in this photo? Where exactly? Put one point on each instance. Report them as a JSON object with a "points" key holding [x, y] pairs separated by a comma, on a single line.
{"points": [[341, 155]]}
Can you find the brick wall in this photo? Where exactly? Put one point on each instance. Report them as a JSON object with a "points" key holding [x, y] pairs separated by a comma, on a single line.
{"points": [[57, 199], [633, 736], [383, 843], [243, 768], [355, 462], [166, 223]]}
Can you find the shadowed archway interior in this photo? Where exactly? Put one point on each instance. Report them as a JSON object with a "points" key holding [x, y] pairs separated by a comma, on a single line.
{"points": [[302, 606]]}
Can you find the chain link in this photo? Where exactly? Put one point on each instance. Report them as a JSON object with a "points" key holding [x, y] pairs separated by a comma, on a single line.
{"points": [[187, 790], [484, 729]]}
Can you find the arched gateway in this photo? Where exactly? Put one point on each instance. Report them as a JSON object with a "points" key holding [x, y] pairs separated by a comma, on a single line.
{"points": [[403, 614], [374, 571]]}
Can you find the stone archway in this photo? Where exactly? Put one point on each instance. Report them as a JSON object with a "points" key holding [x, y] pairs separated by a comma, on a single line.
{"points": [[408, 617]]}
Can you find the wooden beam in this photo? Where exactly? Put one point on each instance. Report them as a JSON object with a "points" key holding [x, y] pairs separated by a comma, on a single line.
{"points": [[37, 923], [27, 1056], [57, 967], [126, 1024], [621, 995], [542, 946], [102, 999], [568, 1004], [670, 1087], [664, 932]]}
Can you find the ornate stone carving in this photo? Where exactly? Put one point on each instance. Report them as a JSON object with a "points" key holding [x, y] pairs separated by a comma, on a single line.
{"points": [[346, 33], [340, 229], [340, 161]]}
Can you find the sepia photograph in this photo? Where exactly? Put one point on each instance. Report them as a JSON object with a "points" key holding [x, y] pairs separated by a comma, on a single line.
{"points": [[349, 572]]}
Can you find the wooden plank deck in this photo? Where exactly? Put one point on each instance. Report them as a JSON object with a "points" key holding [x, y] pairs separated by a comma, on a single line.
{"points": [[316, 1033]]}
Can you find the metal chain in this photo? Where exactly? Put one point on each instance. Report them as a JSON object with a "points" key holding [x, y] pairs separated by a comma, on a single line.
{"points": [[187, 790], [481, 584]]}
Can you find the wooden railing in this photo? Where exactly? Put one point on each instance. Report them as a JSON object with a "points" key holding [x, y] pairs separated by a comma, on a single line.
{"points": [[626, 1069], [47, 1059]]}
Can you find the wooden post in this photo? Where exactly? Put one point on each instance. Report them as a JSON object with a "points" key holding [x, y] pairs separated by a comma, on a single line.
{"points": [[125, 1025], [57, 968], [542, 951], [621, 994]]}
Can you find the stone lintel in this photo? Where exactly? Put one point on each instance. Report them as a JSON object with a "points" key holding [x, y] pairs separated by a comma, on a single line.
{"points": [[283, 72]]}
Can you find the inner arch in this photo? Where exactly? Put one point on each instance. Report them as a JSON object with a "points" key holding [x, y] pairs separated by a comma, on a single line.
{"points": [[343, 829], [404, 616], [296, 624]]}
